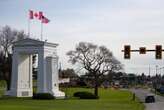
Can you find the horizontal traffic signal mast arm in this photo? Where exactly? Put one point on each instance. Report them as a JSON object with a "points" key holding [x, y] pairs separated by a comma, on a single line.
{"points": [[142, 50], [139, 50]]}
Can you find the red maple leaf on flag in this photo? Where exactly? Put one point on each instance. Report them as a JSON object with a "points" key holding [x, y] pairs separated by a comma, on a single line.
{"points": [[37, 15]]}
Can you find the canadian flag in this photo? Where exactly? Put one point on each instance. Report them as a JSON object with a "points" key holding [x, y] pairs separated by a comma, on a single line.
{"points": [[37, 15], [45, 20]]}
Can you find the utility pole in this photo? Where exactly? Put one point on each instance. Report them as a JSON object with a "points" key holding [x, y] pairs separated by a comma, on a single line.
{"points": [[149, 70], [163, 70], [156, 79], [156, 69], [149, 77]]}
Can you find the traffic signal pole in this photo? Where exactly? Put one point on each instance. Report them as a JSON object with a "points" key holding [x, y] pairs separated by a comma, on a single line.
{"points": [[142, 50]]}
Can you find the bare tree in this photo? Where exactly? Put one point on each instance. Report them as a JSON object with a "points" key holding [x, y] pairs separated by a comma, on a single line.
{"points": [[7, 37], [97, 60]]}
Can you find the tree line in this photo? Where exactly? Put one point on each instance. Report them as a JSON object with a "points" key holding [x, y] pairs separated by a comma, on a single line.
{"points": [[7, 37]]}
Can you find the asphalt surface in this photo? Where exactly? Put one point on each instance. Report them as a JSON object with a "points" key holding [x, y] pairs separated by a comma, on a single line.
{"points": [[159, 103]]}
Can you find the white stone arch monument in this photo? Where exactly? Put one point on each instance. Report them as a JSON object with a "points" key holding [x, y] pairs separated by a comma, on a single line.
{"points": [[47, 76]]}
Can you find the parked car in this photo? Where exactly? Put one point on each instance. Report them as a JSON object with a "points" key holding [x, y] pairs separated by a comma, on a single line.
{"points": [[150, 98]]}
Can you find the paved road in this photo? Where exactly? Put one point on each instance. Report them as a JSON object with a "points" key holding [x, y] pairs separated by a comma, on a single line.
{"points": [[158, 105]]}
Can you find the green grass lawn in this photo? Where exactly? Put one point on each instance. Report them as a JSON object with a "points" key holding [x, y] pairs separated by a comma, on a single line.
{"points": [[109, 100]]}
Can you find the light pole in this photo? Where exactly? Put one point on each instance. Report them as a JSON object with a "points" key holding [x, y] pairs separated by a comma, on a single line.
{"points": [[149, 70], [156, 69], [156, 79], [161, 70]]}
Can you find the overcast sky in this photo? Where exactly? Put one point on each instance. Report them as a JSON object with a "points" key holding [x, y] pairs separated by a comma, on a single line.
{"points": [[112, 23]]}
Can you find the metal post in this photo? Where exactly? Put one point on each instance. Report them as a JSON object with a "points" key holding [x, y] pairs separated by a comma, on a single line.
{"points": [[163, 70], [134, 96], [149, 70], [41, 34], [156, 69], [156, 79], [29, 22]]}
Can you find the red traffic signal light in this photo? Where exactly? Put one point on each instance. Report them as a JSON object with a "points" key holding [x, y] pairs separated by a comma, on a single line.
{"points": [[142, 50], [127, 52], [158, 52]]}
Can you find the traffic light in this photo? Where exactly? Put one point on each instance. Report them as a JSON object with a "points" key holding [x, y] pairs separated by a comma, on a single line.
{"points": [[127, 52], [158, 52], [142, 50]]}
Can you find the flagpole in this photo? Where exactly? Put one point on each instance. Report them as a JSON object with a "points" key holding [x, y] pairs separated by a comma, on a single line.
{"points": [[41, 34], [29, 26]]}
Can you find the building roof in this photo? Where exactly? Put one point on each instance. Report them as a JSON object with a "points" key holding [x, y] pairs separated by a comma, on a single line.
{"points": [[33, 42]]}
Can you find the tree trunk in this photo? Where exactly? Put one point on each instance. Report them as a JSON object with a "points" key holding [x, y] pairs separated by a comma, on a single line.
{"points": [[96, 90], [96, 86], [8, 84], [9, 71], [7, 67], [7, 79]]}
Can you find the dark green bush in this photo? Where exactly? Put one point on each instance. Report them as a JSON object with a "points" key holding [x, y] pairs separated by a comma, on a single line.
{"points": [[78, 94], [43, 96], [85, 95]]}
